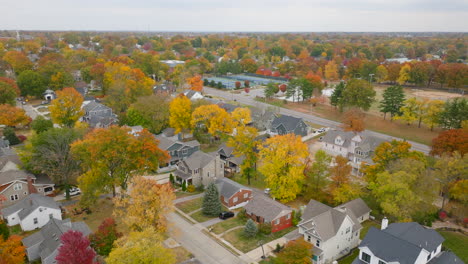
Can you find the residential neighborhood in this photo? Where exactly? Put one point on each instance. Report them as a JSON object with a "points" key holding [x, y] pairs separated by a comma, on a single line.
{"points": [[152, 134]]}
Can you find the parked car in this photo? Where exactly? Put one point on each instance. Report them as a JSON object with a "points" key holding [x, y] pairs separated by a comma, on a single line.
{"points": [[321, 130], [73, 191], [267, 191], [226, 215]]}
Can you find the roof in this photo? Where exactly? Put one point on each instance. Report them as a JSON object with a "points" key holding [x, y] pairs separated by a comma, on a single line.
{"points": [[357, 206], [10, 173], [227, 188], [446, 257], [346, 136], [94, 106], [165, 143], [416, 234], [367, 143], [198, 160], [228, 107], [29, 204], [190, 93], [4, 143], [225, 150], [267, 208], [289, 122]]}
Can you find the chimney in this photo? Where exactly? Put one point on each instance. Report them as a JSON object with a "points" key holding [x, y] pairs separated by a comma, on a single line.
{"points": [[384, 223], [31, 188]]}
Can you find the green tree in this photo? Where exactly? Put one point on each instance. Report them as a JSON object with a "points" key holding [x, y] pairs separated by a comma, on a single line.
{"points": [[455, 111], [40, 124], [358, 93], [7, 93], [392, 102], [4, 231], [250, 229], [211, 204], [317, 176], [31, 83], [10, 135], [337, 94], [154, 112], [270, 90]]}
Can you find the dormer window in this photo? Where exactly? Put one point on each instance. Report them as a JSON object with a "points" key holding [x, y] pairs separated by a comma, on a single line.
{"points": [[339, 141]]}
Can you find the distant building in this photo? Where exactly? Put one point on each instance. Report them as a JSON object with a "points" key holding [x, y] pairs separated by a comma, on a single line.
{"points": [[173, 63], [98, 115], [177, 149], [49, 95], [193, 95], [232, 163]]}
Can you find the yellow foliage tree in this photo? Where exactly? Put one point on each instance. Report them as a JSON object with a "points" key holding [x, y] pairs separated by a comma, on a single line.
{"points": [[331, 71], [212, 118], [180, 113], [144, 247], [244, 144], [282, 160], [13, 116], [241, 116], [404, 75], [146, 205], [66, 109], [432, 112], [381, 73]]}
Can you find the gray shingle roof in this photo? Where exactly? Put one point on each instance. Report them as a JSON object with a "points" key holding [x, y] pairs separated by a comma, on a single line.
{"points": [[447, 257], [416, 234], [267, 208], [29, 204], [94, 106], [357, 206], [289, 122], [10, 173], [227, 188], [345, 136], [198, 160]]}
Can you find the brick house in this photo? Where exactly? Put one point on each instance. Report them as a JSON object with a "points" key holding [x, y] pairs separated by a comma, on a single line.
{"points": [[262, 209], [232, 194]]}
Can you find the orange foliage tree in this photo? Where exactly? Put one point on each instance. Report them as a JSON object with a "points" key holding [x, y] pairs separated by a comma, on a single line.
{"points": [[11, 250], [13, 116], [296, 252], [450, 141], [353, 120], [196, 83]]}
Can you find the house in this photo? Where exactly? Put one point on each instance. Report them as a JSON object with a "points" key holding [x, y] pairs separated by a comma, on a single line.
{"points": [[44, 244], [357, 148], [228, 107], [200, 169], [178, 150], [332, 231], [232, 194], [165, 87], [135, 130], [49, 95], [193, 95], [16, 184], [231, 163], [173, 63], [285, 124], [98, 115], [261, 119], [403, 243], [32, 212], [263, 209]]}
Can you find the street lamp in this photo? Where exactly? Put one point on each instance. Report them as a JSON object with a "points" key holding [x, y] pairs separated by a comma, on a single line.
{"points": [[260, 243], [370, 78]]}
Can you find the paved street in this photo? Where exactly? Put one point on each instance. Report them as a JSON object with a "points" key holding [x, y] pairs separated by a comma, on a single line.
{"points": [[30, 111], [247, 100], [206, 250]]}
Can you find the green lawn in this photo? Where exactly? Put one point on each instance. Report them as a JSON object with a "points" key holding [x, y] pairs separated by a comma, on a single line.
{"points": [[457, 243], [365, 227], [180, 194], [227, 224], [244, 244], [200, 217], [256, 181], [350, 258], [190, 206]]}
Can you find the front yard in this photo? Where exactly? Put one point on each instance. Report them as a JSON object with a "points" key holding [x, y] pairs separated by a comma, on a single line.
{"points": [[365, 227], [225, 225], [190, 206], [246, 244], [457, 243], [257, 181]]}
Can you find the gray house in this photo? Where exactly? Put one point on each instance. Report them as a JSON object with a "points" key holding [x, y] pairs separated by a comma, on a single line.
{"points": [[261, 119], [284, 124], [231, 163], [178, 150], [98, 115], [44, 244], [200, 169]]}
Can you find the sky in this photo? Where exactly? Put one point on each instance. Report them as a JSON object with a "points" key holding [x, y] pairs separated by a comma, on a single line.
{"points": [[236, 15]]}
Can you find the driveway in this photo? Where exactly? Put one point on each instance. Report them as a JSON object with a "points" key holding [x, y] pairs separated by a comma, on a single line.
{"points": [[247, 100], [29, 109], [206, 250]]}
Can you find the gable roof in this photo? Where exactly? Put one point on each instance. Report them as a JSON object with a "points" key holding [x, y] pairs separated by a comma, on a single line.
{"points": [[357, 206], [227, 188], [288, 122], [225, 150], [29, 204], [198, 160], [94, 106], [446, 257], [368, 142], [10, 172], [416, 234], [165, 143], [267, 208], [191, 93]]}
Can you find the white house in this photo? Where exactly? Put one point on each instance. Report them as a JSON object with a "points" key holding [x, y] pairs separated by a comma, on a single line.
{"points": [[193, 95], [32, 212], [332, 231], [403, 243]]}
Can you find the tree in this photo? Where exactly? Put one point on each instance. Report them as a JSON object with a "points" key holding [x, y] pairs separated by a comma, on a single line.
{"points": [[331, 71], [13, 116], [270, 90], [211, 204], [75, 249], [66, 109], [353, 120], [31, 83], [180, 116], [448, 170], [4, 230], [49, 153], [404, 74], [343, 187], [153, 111], [112, 156], [212, 118], [393, 101], [317, 176], [381, 73], [410, 111], [455, 111], [102, 241], [241, 116], [337, 94], [358, 93], [296, 252], [18, 61], [250, 229], [60, 80], [450, 141], [146, 205], [40, 124], [245, 144], [282, 163], [144, 247], [431, 115], [8, 91], [196, 83], [11, 250], [10, 135]]}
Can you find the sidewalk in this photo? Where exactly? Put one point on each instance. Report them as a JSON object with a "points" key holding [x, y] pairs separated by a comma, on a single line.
{"points": [[188, 198]]}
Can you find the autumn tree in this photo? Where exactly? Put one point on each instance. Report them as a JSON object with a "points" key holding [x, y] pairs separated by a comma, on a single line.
{"points": [[245, 144], [8, 91], [296, 252], [146, 205], [196, 83], [102, 241], [18, 61], [141, 247], [450, 141], [31, 83], [66, 109], [111, 157], [353, 120], [358, 93], [151, 112], [75, 249], [11, 250], [180, 116], [404, 74], [331, 71], [410, 111], [282, 163], [448, 170], [343, 186], [13, 116], [381, 73], [317, 176], [393, 101], [212, 119], [432, 111], [454, 113], [241, 116]]}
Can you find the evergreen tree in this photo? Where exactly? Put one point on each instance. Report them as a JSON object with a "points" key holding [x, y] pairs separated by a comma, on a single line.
{"points": [[211, 203], [454, 113], [184, 186], [250, 229], [171, 178], [10, 135], [393, 98], [337, 94]]}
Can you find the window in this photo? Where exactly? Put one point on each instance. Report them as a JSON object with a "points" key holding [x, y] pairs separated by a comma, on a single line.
{"points": [[381, 262], [40, 210], [277, 221], [308, 238], [365, 257], [288, 216], [317, 243], [51, 216], [246, 195], [428, 257], [35, 221], [348, 230], [17, 187], [235, 200], [14, 197], [184, 151]]}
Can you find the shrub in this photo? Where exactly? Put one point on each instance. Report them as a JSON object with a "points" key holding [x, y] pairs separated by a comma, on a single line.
{"points": [[442, 215], [22, 138], [206, 82], [4, 231], [171, 178], [278, 248], [10, 135], [191, 188], [219, 85], [212, 83], [241, 215], [296, 217], [265, 228], [247, 83], [200, 188], [247, 89], [184, 186], [250, 229], [237, 85]]}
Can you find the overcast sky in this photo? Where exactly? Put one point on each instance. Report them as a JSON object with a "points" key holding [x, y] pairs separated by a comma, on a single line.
{"points": [[236, 15]]}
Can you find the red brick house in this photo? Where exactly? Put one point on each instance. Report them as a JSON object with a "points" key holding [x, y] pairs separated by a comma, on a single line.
{"points": [[265, 210], [232, 194]]}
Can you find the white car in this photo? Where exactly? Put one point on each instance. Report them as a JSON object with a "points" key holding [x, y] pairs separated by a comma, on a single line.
{"points": [[73, 191], [267, 191]]}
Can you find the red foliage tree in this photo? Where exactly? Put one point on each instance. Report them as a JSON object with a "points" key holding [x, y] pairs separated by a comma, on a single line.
{"points": [[247, 89], [450, 141], [12, 83], [276, 74], [283, 87], [103, 239], [267, 72], [238, 85], [246, 83], [75, 249]]}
